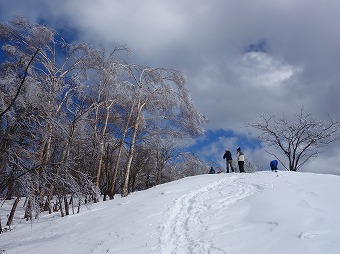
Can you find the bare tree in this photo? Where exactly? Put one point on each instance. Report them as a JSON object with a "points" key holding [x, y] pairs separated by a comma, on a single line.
{"points": [[250, 167], [71, 118], [160, 98], [190, 165], [22, 82], [38, 80], [152, 162], [299, 139]]}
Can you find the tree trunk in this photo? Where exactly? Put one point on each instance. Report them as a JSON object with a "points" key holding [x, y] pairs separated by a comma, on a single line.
{"points": [[72, 203], [120, 150], [125, 190], [147, 181], [61, 207], [45, 156], [63, 160], [159, 175], [107, 172], [28, 210], [67, 207], [11, 215], [133, 182], [100, 163], [20, 86], [115, 172], [0, 225], [79, 203], [101, 145]]}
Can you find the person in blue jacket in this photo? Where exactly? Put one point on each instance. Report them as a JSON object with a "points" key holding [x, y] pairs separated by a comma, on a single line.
{"points": [[212, 170], [273, 165]]}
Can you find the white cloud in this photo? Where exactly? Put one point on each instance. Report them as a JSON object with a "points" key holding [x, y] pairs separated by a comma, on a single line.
{"points": [[260, 69], [145, 26]]}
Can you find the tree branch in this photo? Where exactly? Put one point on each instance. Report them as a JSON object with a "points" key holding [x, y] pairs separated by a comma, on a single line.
{"points": [[20, 86]]}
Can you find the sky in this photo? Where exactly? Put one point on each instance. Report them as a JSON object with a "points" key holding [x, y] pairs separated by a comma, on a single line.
{"points": [[241, 58], [260, 213]]}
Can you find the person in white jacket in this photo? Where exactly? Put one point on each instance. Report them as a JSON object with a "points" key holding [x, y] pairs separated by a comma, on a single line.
{"points": [[240, 160]]}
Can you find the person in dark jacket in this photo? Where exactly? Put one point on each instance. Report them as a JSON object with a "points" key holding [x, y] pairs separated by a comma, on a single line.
{"points": [[273, 165], [229, 160], [212, 170]]}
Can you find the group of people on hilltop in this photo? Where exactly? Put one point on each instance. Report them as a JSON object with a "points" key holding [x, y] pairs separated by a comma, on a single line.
{"points": [[229, 161], [240, 161]]}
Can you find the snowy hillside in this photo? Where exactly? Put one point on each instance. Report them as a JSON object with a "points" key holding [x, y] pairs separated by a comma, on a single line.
{"points": [[260, 213]]}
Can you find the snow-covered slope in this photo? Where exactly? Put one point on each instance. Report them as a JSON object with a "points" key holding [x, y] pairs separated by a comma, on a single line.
{"points": [[260, 213]]}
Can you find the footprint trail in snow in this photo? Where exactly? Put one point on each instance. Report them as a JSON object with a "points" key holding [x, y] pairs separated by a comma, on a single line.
{"points": [[185, 226]]}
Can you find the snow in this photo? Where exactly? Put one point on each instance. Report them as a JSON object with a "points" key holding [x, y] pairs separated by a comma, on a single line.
{"points": [[262, 212]]}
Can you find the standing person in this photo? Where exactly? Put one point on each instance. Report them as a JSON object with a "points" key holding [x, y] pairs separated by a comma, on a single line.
{"points": [[229, 160], [273, 165], [240, 160]]}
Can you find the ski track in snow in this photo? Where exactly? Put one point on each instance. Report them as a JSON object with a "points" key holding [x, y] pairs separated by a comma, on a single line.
{"points": [[184, 230]]}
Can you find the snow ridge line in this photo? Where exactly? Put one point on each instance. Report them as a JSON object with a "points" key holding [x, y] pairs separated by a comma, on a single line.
{"points": [[183, 230]]}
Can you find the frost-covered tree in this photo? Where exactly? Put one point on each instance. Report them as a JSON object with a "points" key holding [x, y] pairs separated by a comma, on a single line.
{"points": [[190, 165], [160, 99], [71, 117], [20, 110], [152, 163], [106, 93], [250, 167], [299, 139], [39, 76]]}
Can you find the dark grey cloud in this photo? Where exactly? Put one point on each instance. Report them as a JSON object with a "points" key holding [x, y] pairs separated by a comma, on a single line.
{"points": [[242, 58]]}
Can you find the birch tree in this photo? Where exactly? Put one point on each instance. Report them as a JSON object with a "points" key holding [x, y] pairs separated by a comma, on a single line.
{"points": [[160, 99], [71, 118], [300, 139], [105, 87], [21, 43], [40, 74]]}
